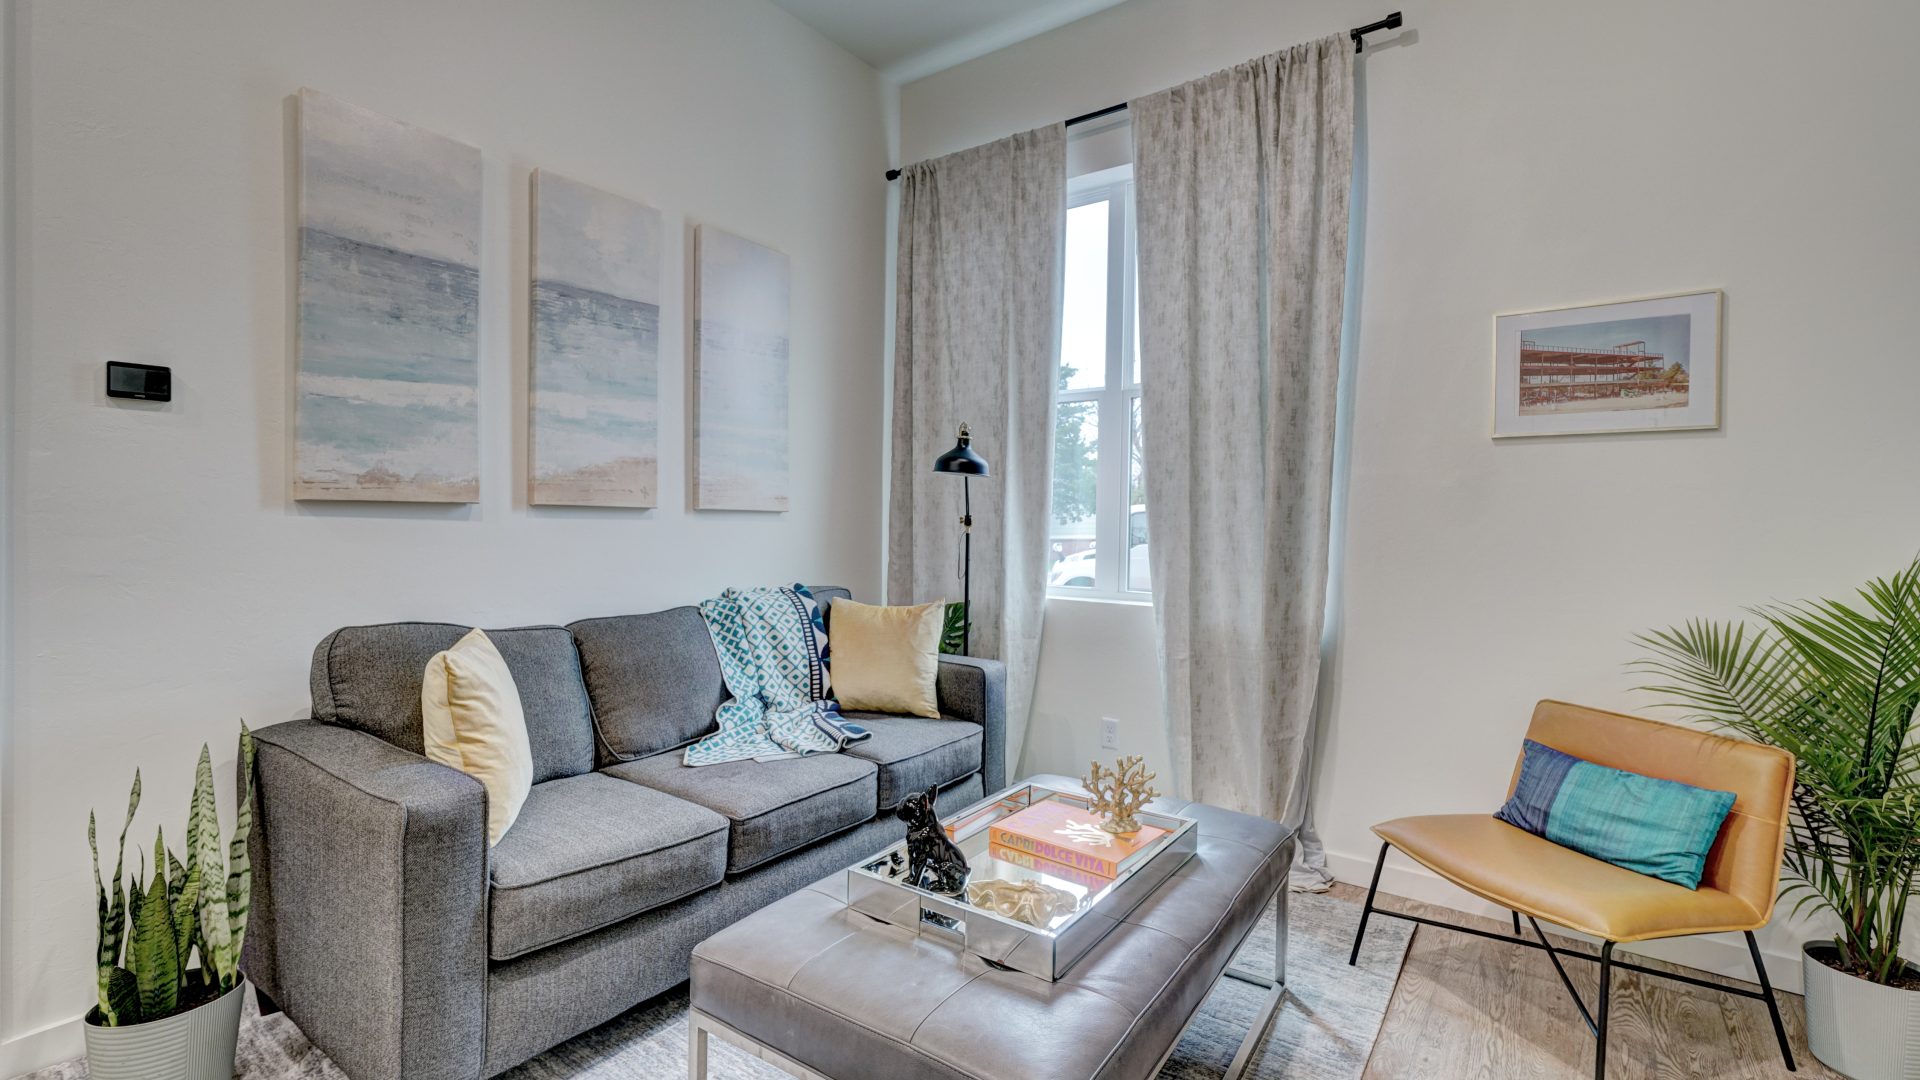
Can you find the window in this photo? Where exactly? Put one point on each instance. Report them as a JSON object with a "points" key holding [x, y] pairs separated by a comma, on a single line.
{"points": [[1097, 545]]}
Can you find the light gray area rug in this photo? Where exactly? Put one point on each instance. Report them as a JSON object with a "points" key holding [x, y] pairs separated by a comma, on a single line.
{"points": [[1323, 1031]]}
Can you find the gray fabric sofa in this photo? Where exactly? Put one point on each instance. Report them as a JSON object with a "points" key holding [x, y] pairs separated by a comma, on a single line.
{"points": [[406, 950]]}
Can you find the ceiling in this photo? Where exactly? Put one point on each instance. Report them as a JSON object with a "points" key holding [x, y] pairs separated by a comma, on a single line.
{"points": [[911, 39]]}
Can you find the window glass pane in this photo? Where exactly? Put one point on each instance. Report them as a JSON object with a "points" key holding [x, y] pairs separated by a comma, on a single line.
{"points": [[1076, 443], [1138, 576], [1083, 309]]}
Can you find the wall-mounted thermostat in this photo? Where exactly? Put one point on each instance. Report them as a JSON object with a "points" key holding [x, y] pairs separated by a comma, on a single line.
{"points": [[142, 381]]}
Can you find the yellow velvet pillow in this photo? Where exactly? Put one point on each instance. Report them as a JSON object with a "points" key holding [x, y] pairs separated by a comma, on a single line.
{"points": [[472, 720], [885, 659]]}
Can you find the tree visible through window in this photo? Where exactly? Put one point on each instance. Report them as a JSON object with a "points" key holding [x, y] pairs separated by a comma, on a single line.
{"points": [[1098, 540]]}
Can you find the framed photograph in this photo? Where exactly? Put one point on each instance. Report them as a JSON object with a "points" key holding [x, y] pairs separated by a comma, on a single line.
{"points": [[1637, 365]]}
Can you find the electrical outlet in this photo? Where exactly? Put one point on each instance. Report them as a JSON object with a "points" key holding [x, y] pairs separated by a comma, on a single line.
{"points": [[1109, 733]]}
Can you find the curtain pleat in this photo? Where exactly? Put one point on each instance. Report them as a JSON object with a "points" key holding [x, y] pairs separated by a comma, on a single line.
{"points": [[1242, 182], [976, 341]]}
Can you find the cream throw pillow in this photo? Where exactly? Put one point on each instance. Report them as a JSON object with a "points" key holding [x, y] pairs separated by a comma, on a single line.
{"points": [[472, 720], [885, 659]]}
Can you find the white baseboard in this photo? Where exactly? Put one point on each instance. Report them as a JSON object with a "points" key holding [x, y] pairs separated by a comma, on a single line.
{"points": [[51, 1045], [1721, 954]]}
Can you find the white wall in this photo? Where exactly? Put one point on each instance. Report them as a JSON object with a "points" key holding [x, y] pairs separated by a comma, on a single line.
{"points": [[164, 586], [1517, 155], [1097, 661]]}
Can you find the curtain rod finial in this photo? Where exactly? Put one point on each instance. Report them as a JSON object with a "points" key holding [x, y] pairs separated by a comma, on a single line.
{"points": [[893, 174]]}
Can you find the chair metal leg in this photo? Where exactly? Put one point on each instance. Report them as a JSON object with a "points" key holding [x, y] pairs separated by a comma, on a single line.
{"points": [[1516, 925], [1596, 1019], [1367, 910], [1773, 1004], [1600, 1029], [1566, 980]]}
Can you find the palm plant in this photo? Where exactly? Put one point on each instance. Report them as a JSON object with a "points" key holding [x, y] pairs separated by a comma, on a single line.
{"points": [[149, 932], [1836, 685]]}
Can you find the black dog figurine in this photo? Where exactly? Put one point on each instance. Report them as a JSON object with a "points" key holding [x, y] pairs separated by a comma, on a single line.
{"points": [[934, 862]]}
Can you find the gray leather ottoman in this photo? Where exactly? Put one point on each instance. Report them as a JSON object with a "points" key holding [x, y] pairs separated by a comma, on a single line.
{"points": [[823, 991]]}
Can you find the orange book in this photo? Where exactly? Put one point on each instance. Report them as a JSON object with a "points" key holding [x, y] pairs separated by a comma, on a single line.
{"points": [[1093, 883], [1060, 832]]}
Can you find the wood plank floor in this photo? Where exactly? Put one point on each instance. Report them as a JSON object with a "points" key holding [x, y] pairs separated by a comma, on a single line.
{"points": [[1471, 1009]]}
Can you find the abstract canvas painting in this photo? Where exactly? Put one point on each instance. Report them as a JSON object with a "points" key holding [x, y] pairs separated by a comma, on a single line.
{"points": [[592, 433], [389, 310], [1637, 365], [740, 374]]}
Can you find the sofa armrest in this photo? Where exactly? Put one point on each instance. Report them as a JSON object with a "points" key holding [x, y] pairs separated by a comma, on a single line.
{"points": [[971, 688], [369, 912]]}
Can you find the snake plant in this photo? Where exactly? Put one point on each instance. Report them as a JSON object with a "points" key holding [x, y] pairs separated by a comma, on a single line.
{"points": [[1836, 685], [151, 931]]}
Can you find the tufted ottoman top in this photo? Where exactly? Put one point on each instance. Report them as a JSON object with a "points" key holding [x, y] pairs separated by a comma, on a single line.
{"points": [[850, 997]]}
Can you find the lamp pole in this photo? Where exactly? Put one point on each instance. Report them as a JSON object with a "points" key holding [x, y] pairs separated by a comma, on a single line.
{"points": [[966, 564], [966, 463]]}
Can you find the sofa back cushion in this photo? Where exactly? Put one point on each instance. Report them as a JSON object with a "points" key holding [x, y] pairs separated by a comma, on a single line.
{"points": [[654, 680], [825, 595], [368, 677]]}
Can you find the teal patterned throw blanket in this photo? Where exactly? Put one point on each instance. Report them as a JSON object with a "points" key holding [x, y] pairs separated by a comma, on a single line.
{"points": [[772, 644]]}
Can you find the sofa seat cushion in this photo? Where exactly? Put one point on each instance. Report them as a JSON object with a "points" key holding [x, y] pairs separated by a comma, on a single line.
{"points": [[914, 753], [772, 807], [588, 851]]}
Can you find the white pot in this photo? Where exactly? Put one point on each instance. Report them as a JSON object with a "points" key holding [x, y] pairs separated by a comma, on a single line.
{"points": [[194, 1045], [1859, 1029]]}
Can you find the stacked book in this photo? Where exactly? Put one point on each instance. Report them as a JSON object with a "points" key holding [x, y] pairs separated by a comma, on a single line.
{"points": [[1057, 838]]}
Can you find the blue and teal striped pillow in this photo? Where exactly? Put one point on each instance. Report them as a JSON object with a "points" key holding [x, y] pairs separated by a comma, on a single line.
{"points": [[1661, 828]]}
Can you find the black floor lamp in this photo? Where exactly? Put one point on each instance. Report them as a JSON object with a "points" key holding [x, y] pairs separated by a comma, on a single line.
{"points": [[963, 462]]}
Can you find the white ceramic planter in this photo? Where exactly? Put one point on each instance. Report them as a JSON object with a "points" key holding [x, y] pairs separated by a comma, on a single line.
{"points": [[195, 1045], [1859, 1029]]}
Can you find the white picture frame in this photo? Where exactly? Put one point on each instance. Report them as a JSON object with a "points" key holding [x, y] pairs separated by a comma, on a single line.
{"points": [[1651, 364]]}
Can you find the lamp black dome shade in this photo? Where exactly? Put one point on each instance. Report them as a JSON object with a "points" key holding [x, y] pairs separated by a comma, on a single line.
{"points": [[962, 459]]}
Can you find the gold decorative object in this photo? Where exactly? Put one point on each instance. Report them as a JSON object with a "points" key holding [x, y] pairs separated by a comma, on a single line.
{"points": [[1032, 902], [1119, 793]]}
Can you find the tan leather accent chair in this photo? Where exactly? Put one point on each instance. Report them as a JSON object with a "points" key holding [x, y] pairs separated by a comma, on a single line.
{"points": [[1534, 877]]}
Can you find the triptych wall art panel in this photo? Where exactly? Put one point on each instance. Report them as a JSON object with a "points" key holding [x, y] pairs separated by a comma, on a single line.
{"points": [[387, 368], [389, 310], [740, 374], [593, 426]]}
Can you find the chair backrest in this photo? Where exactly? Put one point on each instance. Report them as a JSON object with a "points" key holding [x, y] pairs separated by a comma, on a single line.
{"points": [[1745, 859]]}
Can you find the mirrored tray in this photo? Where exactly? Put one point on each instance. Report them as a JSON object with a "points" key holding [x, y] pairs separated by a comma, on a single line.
{"points": [[878, 888]]}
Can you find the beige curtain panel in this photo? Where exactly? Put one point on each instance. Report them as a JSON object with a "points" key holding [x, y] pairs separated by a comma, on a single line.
{"points": [[1242, 182], [977, 286]]}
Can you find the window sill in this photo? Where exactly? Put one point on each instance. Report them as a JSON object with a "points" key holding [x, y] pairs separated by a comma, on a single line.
{"points": [[1090, 596]]}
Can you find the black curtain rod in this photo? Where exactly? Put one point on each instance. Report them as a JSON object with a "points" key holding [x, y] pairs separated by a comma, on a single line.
{"points": [[1358, 34]]}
